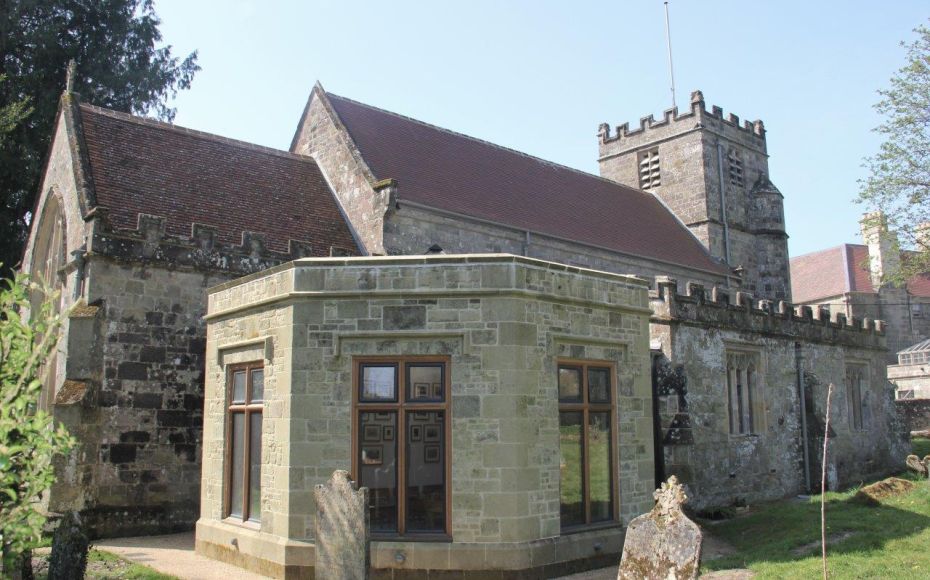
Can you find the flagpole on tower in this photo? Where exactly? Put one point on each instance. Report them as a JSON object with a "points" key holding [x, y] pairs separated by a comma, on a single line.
{"points": [[668, 41]]}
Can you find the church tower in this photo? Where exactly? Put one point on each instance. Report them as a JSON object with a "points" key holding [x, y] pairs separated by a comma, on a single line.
{"points": [[712, 173]]}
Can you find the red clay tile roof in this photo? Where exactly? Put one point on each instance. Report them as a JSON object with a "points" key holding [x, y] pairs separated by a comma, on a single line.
{"points": [[453, 172], [144, 166], [835, 271]]}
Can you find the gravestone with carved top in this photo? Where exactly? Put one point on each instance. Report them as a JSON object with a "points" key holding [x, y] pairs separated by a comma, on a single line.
{"points": [[663, 543], [342, 530]]}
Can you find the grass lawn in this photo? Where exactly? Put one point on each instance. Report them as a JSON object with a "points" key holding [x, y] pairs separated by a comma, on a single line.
{"points": [[782, 540], [105, 566]]}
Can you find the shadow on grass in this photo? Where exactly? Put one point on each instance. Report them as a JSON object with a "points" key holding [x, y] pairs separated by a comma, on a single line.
{"points": [[782, 540]]}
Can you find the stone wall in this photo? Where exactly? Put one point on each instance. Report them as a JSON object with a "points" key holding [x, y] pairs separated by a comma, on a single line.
{"points": [[694, 148], [699, 329], [322, 136], [915, 413], [503, 321], [413, 229]]}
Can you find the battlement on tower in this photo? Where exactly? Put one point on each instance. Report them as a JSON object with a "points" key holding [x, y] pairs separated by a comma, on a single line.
{"points": [[724, 308], [673, 123]]}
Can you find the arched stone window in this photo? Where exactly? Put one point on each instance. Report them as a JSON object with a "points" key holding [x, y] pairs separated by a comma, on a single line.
{"points": [[48, 257], [742, 392]]}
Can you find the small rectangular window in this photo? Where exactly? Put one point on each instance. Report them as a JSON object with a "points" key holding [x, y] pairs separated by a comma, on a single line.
{"points": [[244, 442], [586, 467], [735, 163]]}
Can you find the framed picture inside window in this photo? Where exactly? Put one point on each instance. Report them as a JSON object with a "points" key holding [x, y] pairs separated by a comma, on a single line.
{"points": [[372, 455], [431, 453], [416, 433], [371, 433], [431, 433], [387, 433]]}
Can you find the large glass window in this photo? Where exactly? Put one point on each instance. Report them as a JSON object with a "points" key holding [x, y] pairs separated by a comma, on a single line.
{"points": [[586, 419], [401, 443], [244, 442]]}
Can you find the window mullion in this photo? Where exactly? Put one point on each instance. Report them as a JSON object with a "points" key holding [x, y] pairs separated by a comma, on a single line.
{"points": [[400, 438], [246, 444]]}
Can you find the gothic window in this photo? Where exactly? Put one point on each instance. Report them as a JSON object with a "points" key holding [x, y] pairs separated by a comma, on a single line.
{"points": [[741, 392], [401, 443], [47, 259], [649, 173], [856, 385], [586, 467], [246, 393], [735, 162]]}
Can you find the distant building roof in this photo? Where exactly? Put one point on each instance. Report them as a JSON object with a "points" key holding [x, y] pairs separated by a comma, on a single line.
{"points": [[836, 271], [144, 166], [449, 171]]}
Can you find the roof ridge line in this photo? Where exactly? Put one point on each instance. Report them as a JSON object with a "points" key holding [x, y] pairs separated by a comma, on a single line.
{"points": [[492, 144], [156, 124], [827, 249]]}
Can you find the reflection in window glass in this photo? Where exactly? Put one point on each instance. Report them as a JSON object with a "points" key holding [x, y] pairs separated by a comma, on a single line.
{"points": [[238, 395], [426, 498], [378, 467], [255, 466], [571, 467], [238, 464], [424, 382], [598, 385], [599, 474], [569, 384], [379, 383], [258, 385]]}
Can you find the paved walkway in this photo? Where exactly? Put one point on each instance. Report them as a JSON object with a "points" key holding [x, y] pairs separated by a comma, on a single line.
{"points": [[174, 555]]}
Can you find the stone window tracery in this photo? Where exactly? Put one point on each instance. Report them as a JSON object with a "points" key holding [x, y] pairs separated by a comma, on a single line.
{"points": [[856, 387], [742, 378]]}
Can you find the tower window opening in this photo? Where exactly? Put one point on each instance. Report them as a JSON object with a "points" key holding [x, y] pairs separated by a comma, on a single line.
{"points": [[736, 168], [649, 173]]}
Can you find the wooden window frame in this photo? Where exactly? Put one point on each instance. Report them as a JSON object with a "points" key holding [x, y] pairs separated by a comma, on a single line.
{"points": [[401, 406], [586, 407], [248, 409]]}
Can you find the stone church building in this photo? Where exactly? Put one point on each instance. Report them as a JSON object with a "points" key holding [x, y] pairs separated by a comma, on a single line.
{"points": [[508, 352]]}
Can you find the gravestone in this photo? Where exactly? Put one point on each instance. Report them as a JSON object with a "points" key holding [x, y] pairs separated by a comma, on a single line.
{"points": [[342, 530], [663, 543], [921, 466]]}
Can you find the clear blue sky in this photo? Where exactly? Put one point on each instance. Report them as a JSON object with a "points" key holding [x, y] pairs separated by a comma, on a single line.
{"points": [[540, 76]]}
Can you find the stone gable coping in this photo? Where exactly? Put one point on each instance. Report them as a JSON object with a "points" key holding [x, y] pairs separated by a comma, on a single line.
{"points": [[725, 308]]}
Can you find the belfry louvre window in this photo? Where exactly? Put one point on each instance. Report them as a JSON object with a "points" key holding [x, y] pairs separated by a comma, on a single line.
{"points": [[587, 483], [401, 443], [650, 174], [855, 386], [735, 163], [741, 392], [246, 393]]}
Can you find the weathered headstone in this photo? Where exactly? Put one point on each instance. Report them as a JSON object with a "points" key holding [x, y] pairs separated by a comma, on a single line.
{"points": [[663, 543], [921, 466], [342, 530]]}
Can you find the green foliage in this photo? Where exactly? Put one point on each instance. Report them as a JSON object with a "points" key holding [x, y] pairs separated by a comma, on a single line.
{"points": [[12, 114], [28, 439], [121, 64], [899, 180]]}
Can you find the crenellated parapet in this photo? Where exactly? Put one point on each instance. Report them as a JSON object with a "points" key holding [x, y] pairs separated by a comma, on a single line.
{"points": [[202, 250], [697, 116], [734, 310]]}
